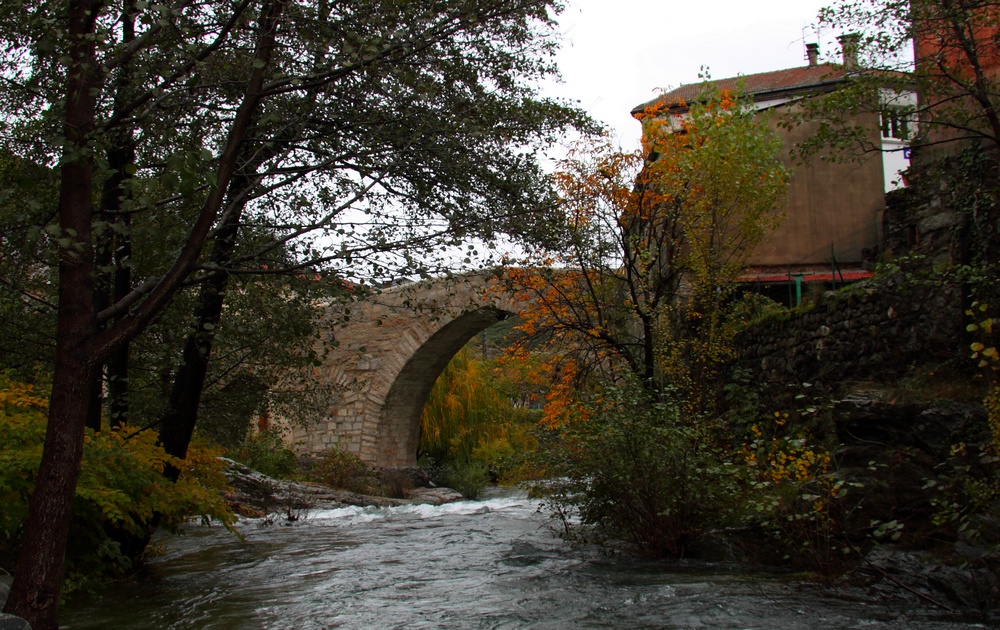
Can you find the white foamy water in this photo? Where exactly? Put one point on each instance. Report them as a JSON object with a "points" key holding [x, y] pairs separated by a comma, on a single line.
{"points": [[472, 564]]}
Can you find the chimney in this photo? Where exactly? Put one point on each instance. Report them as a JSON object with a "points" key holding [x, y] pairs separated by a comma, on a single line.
{"points": [[849, 45], [812, 52]]}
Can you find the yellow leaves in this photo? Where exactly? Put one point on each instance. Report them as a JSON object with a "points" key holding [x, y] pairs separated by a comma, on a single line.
{"points": [[472, 403], [594, 178], [723, 175], [988, 357], [122, 476], [562, 408], [985, 326], [992, 404], [22, 431], [983, 350], [727, 100], [798, 465], [121, 480], [18, 395], [785, 460], [686, 210]]}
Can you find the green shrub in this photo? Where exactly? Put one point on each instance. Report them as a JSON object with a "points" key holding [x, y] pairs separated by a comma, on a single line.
{"points": [[266, 453], [965, 494], [639, 474], [339, 469], [469, 478], [121, 490], [798, 497], [510, 458], [395, 483]]}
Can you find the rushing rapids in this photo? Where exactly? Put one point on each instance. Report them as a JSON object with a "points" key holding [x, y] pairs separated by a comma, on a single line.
{"points": [[472, 564]]}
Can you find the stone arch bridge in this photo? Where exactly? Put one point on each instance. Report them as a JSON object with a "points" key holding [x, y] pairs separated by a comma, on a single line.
{"points": [[381, 357]]}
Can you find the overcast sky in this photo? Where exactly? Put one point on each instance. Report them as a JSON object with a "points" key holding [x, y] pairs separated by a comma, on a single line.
{"points": [[616, 53]]}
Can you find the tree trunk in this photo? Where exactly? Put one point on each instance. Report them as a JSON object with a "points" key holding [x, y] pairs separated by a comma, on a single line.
{"points": [[34, 594], [80, 345], [121, 276], [120, 156], [178, 421]]}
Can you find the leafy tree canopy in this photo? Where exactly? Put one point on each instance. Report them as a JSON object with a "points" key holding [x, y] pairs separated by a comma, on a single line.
{"points": [[655, 238], [946, 52], [377, 123], [205, 140]]}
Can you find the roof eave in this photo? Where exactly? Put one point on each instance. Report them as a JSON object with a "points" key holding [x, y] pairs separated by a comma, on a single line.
{"points": [[822, 87]]}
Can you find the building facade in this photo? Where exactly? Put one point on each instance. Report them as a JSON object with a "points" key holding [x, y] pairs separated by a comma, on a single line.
{"points": [[834, 208]]}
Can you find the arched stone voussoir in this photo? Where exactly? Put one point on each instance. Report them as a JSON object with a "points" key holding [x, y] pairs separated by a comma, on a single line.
{"points": [[398, 427], [392, 346]]}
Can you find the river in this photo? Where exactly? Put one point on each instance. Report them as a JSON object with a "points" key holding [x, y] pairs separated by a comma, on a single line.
{"points": [[473, 564]]}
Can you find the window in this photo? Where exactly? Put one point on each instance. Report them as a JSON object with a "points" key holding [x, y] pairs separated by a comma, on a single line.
{"points": [[895, 124]]}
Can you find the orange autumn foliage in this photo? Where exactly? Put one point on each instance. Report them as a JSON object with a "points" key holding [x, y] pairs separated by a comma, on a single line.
{"points": [[653, 241]]}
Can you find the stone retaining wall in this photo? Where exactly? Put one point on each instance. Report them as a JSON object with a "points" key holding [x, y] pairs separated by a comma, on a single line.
{"points": [[869, 329]]}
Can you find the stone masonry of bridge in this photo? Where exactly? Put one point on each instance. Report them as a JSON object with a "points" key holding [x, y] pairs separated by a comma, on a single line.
{"points": [[381, 357]]}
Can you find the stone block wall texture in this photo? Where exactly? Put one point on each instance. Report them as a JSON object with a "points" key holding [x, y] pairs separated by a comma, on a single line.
{"points": [[949, 215], [869, 329], [381, 356], [885, 326]]}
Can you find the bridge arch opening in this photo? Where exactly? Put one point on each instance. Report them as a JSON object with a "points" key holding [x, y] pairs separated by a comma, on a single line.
{"points": [[398, 432]]}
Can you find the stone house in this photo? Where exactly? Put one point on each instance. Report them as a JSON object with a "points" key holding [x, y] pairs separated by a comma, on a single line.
{"points": [[834, 209]]}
